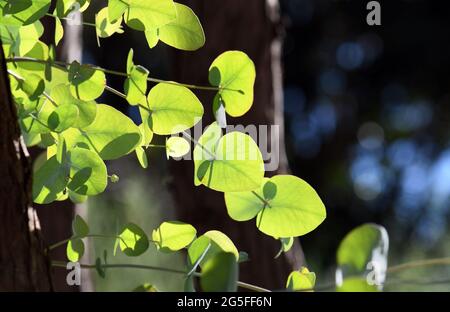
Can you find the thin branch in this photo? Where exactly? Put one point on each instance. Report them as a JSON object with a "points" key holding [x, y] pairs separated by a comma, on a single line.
{"points": [[63, 264], [418, 263], [199, 144], [122, 74]]}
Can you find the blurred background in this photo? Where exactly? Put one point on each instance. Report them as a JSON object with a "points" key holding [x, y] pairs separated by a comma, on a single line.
{"points": [[366, 114]]}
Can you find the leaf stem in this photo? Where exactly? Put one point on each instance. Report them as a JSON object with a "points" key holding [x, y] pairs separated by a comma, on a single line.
{"points": [[123, 96], [122, 74], [199, 144], [63, 264], [265, 202], [418, 263], [60, 243], [156, 145], [65, 18]]}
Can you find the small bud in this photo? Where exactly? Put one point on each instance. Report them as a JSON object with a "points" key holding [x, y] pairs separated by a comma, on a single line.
{"points": [[114, 178]]}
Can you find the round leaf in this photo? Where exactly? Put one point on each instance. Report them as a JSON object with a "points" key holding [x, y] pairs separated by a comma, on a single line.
{"points": [[220, 273], [364, 249], [87, 171], [132, 240], [75, 249], [86, 83], [80, 227], [63, 117], [209, 244], [87, 109], [301, 280], [111, 135], [104, 26], [185, 32], [23, 12], [145, 15], [173, 108], [173, 235], [177, 147], [235, 72], [116, 8], [228, 164], [49, 181], [294, 210]]}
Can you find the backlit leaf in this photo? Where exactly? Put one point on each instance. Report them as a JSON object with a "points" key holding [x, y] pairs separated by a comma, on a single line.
{"points": [[132, 240], [294, 210], [234, 71], [173, 235], [173, 108]]}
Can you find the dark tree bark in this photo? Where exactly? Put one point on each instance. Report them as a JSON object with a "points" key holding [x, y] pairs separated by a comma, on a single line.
{"points": [[253, 27], [24, 265]]}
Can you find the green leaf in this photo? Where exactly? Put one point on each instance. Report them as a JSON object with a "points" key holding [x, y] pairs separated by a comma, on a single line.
{"points": [[234, 70], [116, 8], [135, 85], [33, 86], [228, 164], [20, 40], [286, 245], [215, 242], [59, 31], [79, 227], [145, 15], [99, 268], [173, 235], [220, 273], [75, 249], [222, 242], [77, 198], [145, 288], [111, 135], [152, 37], [87, 109], [23, 12], [356, 284], [301, 280], [47, 139], [64, 7], [189, 284], [39, 51], [146, 134], [293, 210], [142, 157], [88, 172], [63, 117], [86, 83], [243, 257], [132, 240], [363, 251], [177, 147], [173, 108], [185, 32], [106, 27], [35, 121], [49, 181]]}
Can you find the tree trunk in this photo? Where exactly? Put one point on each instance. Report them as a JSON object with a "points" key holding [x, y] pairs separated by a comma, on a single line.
{"points": [[24, 265], [251, 26]]}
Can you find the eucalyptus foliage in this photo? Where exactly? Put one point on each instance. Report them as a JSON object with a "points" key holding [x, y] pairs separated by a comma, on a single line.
{"points": [[59, 108]]}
